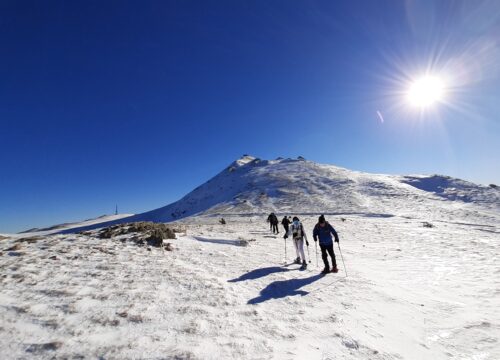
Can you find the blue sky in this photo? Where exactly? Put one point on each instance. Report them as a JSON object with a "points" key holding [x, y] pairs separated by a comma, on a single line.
{"points": [[136, 103]]}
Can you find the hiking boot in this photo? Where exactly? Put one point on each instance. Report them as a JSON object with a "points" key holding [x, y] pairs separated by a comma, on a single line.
{"points": [[297, 261], [304, 266], [335, 270], [325, 271]]}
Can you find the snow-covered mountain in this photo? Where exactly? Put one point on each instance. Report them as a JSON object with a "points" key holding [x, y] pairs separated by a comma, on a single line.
{"points": [[405, 290], [251, 186], [70, 226]]}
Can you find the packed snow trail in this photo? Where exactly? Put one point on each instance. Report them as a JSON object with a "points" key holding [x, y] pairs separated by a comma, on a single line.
{"points": [[412, 293]]}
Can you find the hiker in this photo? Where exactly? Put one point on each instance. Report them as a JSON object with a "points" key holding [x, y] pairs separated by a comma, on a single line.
{"points": [[273, 220], [298, 235], [285, 222], [324, 231], [270, 221]]}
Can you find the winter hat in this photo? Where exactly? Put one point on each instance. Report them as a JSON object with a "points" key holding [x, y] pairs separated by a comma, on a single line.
{"points": [[295, 218], [321, 219]]}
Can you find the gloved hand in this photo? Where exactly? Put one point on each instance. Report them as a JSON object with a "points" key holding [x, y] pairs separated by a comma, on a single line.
{"points": [[307, 243], [337, 241], [285, 236]]}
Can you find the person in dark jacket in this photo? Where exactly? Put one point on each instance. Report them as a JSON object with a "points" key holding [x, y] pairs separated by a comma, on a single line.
{"points": [[269, 220], [273, 222], [286, 223], [324, 231]]}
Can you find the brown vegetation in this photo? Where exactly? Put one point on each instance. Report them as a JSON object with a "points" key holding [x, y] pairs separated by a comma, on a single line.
{"points": [[145, 232]]}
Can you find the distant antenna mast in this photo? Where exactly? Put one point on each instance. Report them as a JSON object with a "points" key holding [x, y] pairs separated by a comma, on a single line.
{"points": [[116, 209]]}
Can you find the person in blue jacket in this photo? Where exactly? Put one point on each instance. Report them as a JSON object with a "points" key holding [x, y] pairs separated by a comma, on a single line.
{"points": [[324, 231]]}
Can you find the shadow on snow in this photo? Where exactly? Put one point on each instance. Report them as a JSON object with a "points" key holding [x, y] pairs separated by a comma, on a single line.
{"points": [[220, 241], [283, 288], [258, 273]]}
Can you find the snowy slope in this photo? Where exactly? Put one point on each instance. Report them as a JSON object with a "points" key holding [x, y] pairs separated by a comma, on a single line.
{"points": [[456, 189], [411, 293], [253, 186], [97, 222]]}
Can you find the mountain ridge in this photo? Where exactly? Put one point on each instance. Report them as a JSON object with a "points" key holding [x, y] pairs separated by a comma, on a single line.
{"points": [[252, 186]]}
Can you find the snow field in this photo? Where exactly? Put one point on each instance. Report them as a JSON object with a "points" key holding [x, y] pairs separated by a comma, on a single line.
{"points": [[411, 293]]}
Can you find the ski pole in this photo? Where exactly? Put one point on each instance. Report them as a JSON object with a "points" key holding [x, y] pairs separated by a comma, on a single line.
{"points": [[316, 246], [285, 249], [342, 259], [308, 254]]}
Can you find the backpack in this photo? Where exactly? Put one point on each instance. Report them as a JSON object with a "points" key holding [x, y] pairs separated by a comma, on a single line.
{"points": [[297, 231]]}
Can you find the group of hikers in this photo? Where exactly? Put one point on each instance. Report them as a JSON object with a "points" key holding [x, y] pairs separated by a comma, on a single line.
{"points": [[323, 232]]}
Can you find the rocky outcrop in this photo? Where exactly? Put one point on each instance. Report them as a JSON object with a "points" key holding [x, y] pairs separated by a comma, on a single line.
{"points": [[144, 232]]}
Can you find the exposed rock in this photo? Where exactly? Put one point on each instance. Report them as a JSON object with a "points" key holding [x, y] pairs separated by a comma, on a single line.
{"points": [[122, 314], [106, 233], [135, 318], [145, 226], [103, 250], [157, 235], [38, 348], [19, 309], [145, 232], [178, 228], [14, 248], [350, 344]]}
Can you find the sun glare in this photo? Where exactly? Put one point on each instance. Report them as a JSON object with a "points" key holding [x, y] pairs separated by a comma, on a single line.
{"points": [[425, 91]]}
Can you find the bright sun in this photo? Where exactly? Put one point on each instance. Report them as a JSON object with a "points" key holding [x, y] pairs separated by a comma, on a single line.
{"points": [[425, 91]]}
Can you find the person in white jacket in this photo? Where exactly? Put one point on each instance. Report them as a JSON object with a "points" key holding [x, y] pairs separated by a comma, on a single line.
{"points": [[298, 235]]}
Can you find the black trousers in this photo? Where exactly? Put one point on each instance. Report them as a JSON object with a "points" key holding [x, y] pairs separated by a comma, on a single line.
{"points": [[275, 228], [286, 228], [324, 256]]}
